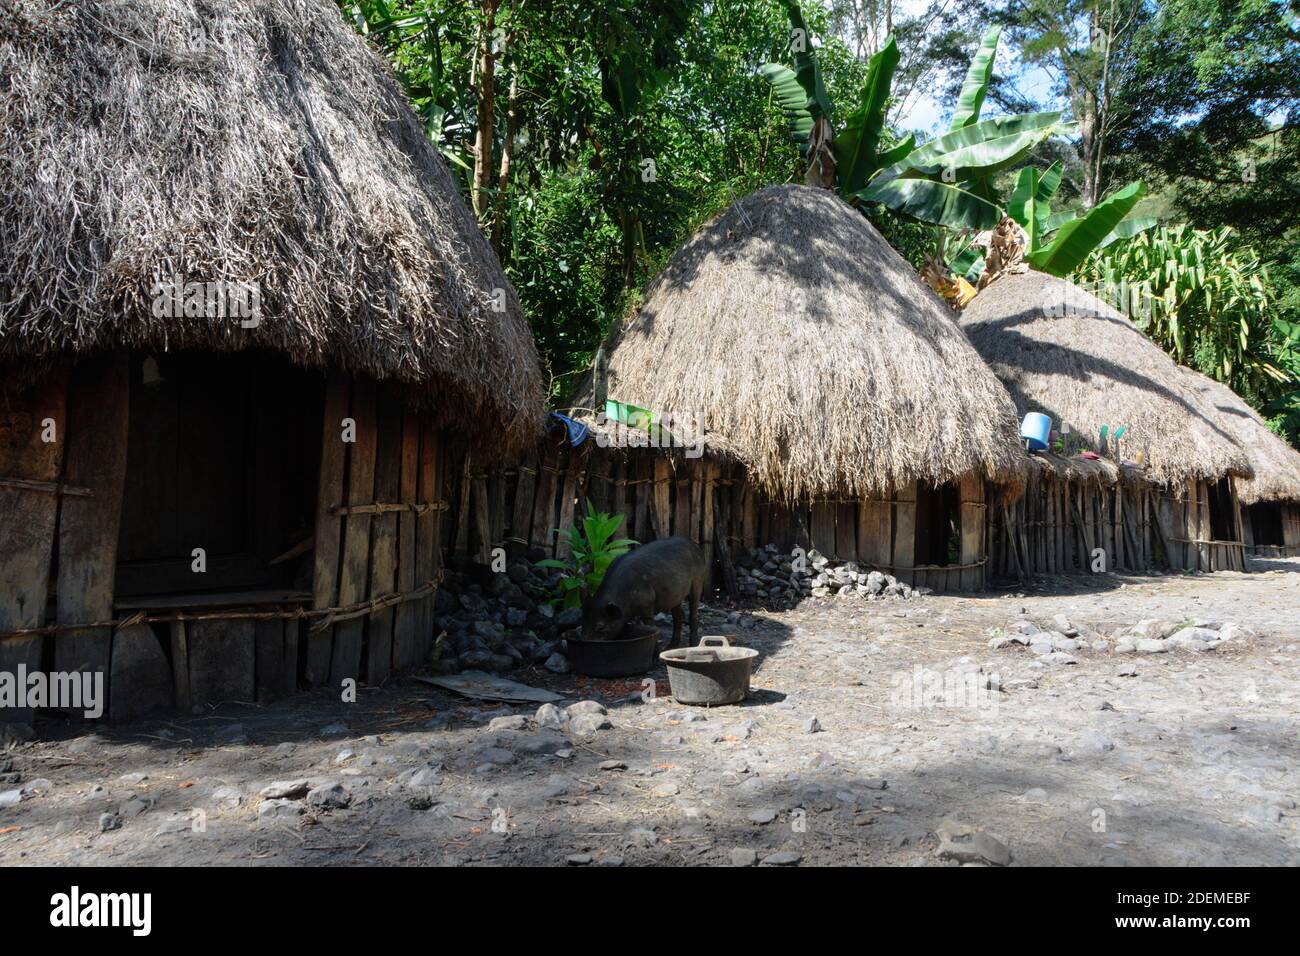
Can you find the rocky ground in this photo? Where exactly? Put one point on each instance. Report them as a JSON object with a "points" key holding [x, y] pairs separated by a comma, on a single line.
{"points": [[1110, 720]]}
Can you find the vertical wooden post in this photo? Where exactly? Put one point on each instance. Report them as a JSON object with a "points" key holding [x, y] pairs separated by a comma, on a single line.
{"points": [[181, 666], [972, 530], [428, 529], [662, 497], [707, 468], [345, 662], [98, 415], [568, 502], [905, 532], [823, 528], [27, 521], [329, 524], [384, 531], [521, 520], [406, 616]]}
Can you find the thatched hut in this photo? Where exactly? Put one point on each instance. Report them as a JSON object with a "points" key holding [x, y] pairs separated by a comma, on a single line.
{"points": [[1162, 493], [1270, 502], [834, 404], [242, 308]]}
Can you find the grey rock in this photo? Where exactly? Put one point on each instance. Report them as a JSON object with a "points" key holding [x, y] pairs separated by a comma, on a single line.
{"points": [[329, 796], [557, 663], [513, 722], [782, 858], [548, 715], [763, 816], [584, 725], [270, 809], [743, 856], [109, 821], [285, 790], [966, 844]]}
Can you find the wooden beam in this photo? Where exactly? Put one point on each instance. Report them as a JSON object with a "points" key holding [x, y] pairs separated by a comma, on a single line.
{"points": [[384, 530], [354, 577], [329, 525], [406, 619], [98, 418]]}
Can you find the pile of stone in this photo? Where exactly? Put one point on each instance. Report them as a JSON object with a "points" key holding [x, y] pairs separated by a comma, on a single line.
{"points": [[500, 621], [1057, 643], [1053, 645], [776, 579], [1154, 636]]}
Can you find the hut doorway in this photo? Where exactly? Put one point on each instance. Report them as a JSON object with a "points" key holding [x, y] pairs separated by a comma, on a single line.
{"points": [[938, 524], [1223, 527], [1266, 524], [223, 454]]}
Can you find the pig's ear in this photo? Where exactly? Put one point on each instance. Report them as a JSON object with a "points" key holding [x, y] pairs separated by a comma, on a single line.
{"points": [[612, 611]]}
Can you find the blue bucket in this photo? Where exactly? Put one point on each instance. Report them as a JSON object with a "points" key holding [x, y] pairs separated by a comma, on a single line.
{"points": [[1036, 429]]}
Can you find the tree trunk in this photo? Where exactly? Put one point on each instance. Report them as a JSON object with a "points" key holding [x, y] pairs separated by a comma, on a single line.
{"points": [[486, 70], [507, 156]]}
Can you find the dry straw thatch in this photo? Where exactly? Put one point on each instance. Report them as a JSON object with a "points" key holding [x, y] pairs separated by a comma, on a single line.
{"points": [[814, 354], [255, 141], [1062, 351], [1276, 464]]}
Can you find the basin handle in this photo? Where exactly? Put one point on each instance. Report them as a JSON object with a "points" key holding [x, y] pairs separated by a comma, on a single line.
{"points": [[714, 640]]}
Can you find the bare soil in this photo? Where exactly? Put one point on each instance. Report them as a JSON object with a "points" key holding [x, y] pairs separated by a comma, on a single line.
{"points": [[1190, 761]]}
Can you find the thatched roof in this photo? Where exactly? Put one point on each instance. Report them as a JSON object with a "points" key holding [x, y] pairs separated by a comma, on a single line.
{"points": [[814, 354], [1276, 464], [255, 141], [1064, 352]]}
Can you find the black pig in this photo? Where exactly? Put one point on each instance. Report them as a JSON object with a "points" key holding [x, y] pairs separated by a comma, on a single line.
{"points": [[648, 580]]}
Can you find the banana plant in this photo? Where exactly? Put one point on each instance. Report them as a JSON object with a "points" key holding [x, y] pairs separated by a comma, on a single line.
{"points": [[928, 183]]}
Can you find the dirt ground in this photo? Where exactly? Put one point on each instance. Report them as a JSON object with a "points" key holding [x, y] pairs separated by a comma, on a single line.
{"points": [[1186, 759]]}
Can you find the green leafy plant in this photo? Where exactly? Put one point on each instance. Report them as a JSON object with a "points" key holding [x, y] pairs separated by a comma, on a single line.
{"points": [[1199, 295], [940, 182], [592, 548]]}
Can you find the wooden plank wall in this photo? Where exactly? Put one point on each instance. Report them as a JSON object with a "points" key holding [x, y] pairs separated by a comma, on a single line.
{"points": [[378, 532], [706, 500], [27, 517], [1056, 525]]}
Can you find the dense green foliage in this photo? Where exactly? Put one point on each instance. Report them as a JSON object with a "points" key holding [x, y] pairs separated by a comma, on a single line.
{"points": [[611, 129]]}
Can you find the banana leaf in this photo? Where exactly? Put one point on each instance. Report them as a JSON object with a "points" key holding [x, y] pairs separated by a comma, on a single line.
{"points": [[1127, 229], [806, 69], [928, 200], [977, 81], [1079, 237], [856, 146], [930, 157], [793, 99]]}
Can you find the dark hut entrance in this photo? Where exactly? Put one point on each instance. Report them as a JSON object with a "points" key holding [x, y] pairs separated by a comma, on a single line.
{"points": [[1223, 527], [223, 454], [938, 524], [1266, 524]]}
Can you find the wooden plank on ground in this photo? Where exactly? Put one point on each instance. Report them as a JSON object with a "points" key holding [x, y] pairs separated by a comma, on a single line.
{"points": [[329, 524], [98, 418], [354, 577]]}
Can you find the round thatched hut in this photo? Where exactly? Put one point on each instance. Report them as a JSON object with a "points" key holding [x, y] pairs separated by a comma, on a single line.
{"points": [[807, 389], [242, 309], [1270, 502], [1160, 493]]}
